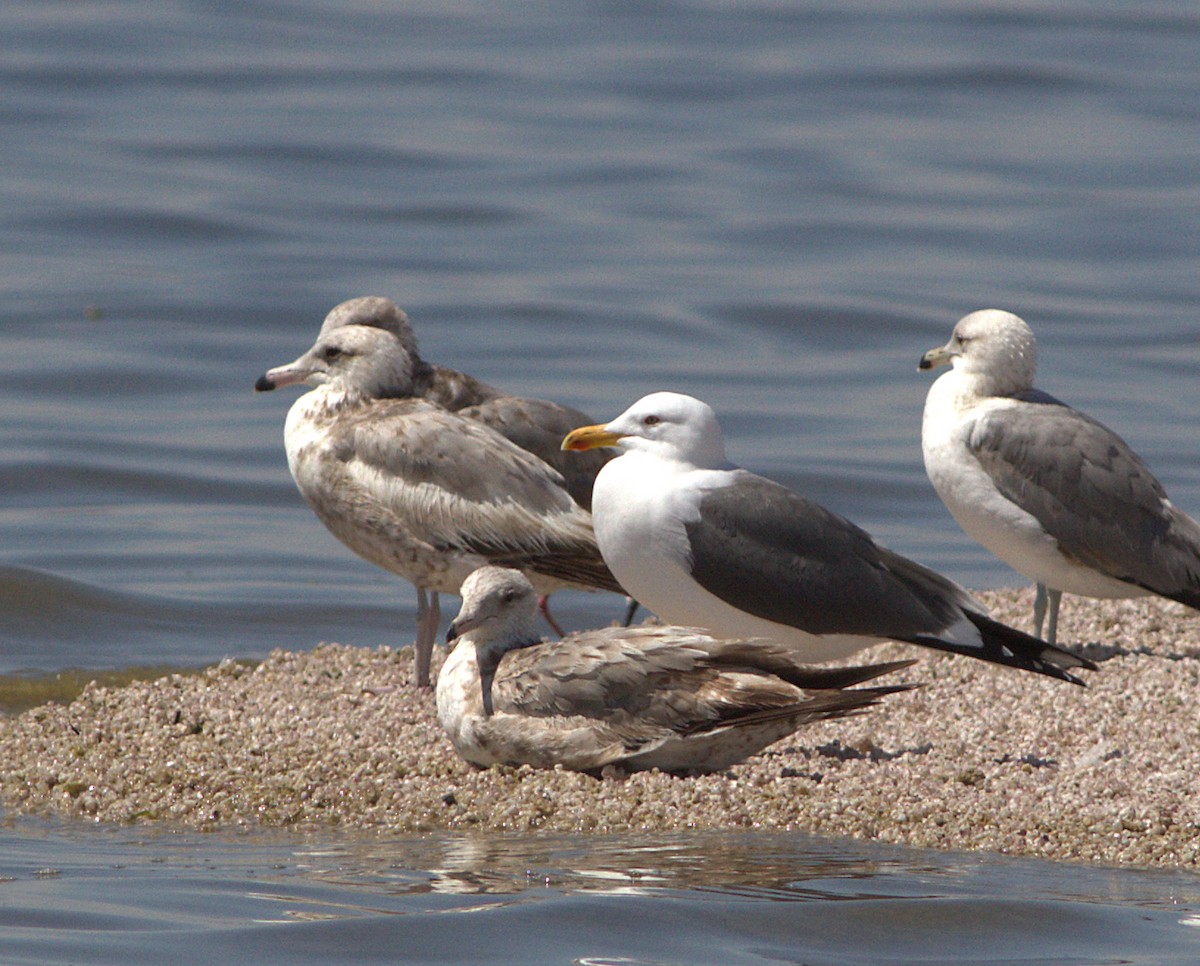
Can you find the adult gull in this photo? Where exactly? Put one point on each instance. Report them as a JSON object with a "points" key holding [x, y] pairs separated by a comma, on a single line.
{"points": [[1053, 493], [635, 698], [702, 542], [426, 493]]}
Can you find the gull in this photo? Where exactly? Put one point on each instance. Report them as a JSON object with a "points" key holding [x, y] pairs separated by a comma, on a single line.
{"points": [[623, 698], [536, 425], [1053, 493], [425, 493], [700, 541]]}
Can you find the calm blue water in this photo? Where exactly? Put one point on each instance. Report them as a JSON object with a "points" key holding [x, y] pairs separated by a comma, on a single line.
{"points": [[775, 206]]}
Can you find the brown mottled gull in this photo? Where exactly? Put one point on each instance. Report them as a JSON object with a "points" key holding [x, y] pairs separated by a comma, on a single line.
{"points": [[632, 698], [536, 425], [425, 493], [1053, 493], [699, 540]]}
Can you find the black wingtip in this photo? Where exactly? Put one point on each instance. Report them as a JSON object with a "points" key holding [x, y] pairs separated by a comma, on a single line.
{"points": [[1013, 648]]}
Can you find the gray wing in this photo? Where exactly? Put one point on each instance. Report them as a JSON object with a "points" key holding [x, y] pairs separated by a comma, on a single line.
{"points": [[586, 744], [600, 673], [458, 485], [450, 388], [635, 695], [771, 658], [646, 680], [772, 553], [584, 702], [538, 427], [767, 550], [1090, 492]]}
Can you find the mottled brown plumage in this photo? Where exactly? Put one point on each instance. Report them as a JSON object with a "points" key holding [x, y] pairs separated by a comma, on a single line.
{"points": [[671, 698], [424, 492], [536, 425]]}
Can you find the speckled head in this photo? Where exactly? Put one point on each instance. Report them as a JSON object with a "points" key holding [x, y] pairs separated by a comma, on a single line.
{"points": [[498, 609], [353, 358], [374, 312]]}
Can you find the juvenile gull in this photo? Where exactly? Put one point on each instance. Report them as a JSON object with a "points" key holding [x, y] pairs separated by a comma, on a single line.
{"points": [[423, 492], [1050, 491], [536, 425], [671, 698], [700, 541]]}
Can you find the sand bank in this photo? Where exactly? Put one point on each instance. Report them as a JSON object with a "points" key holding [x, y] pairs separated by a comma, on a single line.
{"points": [[977, 758]]}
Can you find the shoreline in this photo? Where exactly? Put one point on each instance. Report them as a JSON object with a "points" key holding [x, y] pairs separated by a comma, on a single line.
{"points": [[978, 757]]}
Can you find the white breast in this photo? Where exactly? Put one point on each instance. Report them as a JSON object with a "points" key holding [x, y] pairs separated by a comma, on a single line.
{"points": [[640, 508], [978, 506], [460, 702], [306, 433]]}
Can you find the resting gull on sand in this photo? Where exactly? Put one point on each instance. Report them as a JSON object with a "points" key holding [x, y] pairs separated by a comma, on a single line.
{"points": [[702, 542], [423, 492], [645, 697], [1050, 491]]}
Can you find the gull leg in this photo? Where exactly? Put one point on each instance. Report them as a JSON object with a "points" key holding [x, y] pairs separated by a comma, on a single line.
{"points": [[1055, 599], [1052, 598], [631, 609], [544, 607], [429, 615]]}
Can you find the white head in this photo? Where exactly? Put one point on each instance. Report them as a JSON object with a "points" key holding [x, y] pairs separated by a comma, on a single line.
{"points": [[666, 424], [363, 347], [995, 347]]}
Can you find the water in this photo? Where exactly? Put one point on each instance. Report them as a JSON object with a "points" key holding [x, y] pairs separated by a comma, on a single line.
{"points": [[776, 207], [120, 896]]}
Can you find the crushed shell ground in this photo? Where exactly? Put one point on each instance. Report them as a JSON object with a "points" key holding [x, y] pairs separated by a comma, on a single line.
{"points": [[977, 758]]}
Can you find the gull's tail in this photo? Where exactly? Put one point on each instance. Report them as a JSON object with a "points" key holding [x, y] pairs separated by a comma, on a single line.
{"points": [[1006, 645]]}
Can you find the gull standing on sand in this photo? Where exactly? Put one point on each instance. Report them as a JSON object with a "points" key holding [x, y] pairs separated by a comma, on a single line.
{"points": [[702, 542], [423, 492], [536, 425], [1050, 491], [636, 698]]}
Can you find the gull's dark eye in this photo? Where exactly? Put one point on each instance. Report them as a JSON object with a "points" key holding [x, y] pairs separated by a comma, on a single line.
{"points": [[330, 352], [508, 596], [650, 420]]}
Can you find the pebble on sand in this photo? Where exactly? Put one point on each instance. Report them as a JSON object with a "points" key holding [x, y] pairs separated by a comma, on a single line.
{"points": [[977, 758]]}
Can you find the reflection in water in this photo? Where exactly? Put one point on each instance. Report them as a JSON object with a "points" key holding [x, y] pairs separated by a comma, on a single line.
{"points": [[759, 865], [762, 865], [681, 897]]}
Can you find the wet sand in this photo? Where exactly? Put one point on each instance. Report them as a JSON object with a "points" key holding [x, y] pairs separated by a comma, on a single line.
{"points": [[977, 758]]}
